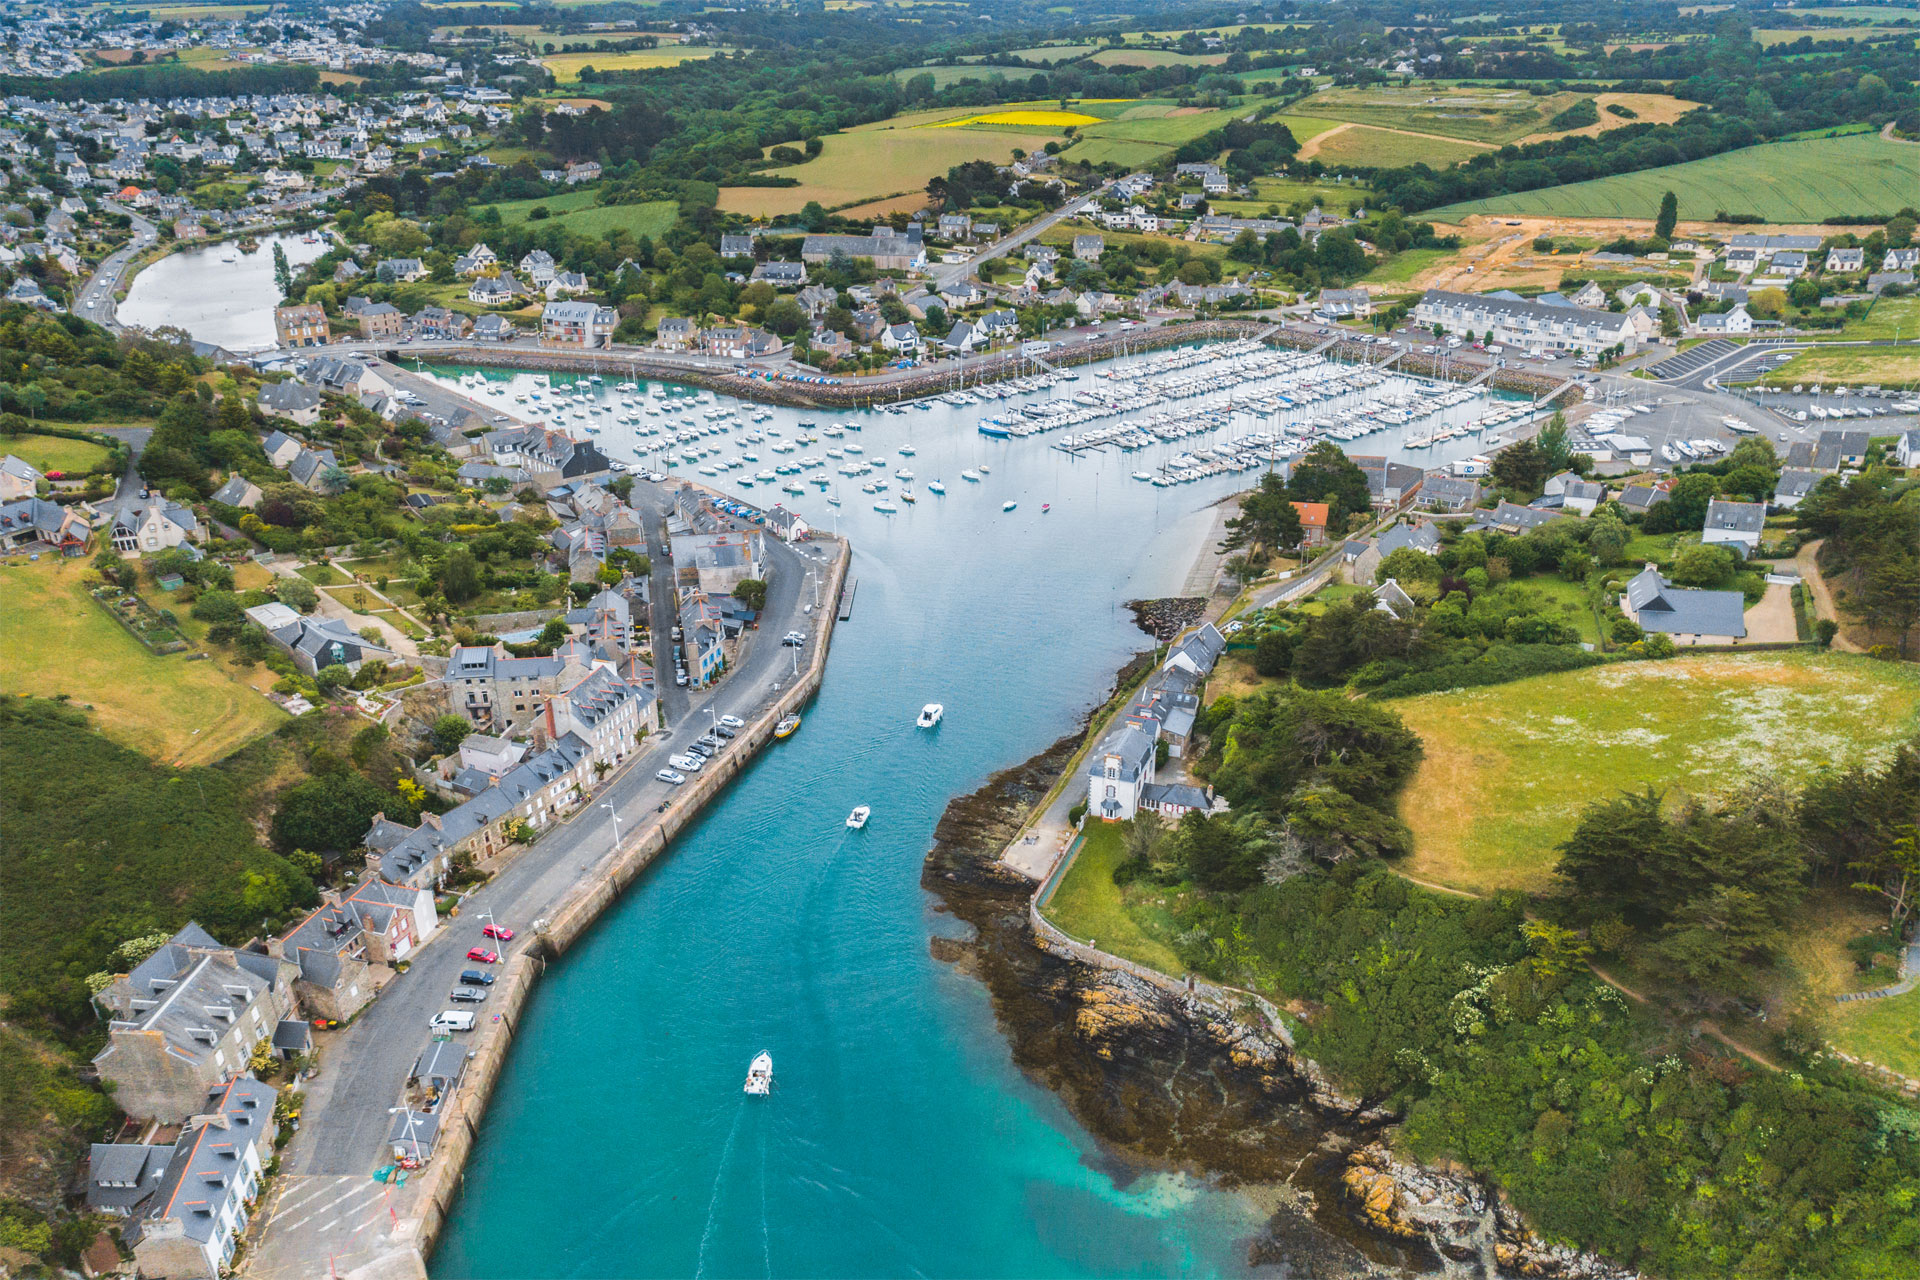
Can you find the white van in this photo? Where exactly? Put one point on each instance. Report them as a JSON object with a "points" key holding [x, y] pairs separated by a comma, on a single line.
{"points": [[453, 1020]]}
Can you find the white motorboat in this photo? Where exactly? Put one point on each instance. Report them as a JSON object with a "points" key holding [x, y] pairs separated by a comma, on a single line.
{"points": [[930, 715], [858, 818], [1008, 506], [970, 475], [760, 1075], [934, 486]]}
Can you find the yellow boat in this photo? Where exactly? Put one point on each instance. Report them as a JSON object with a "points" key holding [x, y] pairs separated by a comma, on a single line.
{"points": [[786, 727]]}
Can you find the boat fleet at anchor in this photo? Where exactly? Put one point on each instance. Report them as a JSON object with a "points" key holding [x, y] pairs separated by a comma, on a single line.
{"points": [[1259, 406], [1299, 399]]}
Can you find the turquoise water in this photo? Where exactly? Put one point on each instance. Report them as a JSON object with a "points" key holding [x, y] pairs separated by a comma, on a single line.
{"points": [[900, 1139]]}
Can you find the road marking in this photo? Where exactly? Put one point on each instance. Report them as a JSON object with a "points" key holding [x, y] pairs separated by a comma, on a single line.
{"points": [[305, 1194]]}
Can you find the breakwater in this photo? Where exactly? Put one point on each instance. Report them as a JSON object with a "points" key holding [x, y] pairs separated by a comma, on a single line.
{"points": [[598, 888]]}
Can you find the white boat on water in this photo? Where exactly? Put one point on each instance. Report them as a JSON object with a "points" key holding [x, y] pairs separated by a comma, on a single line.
{"points": [[934, 486], [760, 1075], [858, 818], [930, 715], [970, 475], [1008, 505]]}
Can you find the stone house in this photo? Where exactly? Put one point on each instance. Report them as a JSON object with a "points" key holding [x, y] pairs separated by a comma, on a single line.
{"points": [[185, 1020]]}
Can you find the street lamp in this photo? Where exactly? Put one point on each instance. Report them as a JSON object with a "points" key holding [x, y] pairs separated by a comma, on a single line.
{"points": [[413, 1135]]}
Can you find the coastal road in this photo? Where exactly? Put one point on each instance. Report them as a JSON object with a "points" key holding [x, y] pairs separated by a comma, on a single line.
{"points": [[106, 277], [948, 274], [364, 1067]]}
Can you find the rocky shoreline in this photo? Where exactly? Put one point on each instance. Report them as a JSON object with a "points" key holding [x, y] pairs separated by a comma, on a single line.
{"points": [[1168, 1084], [1166, 617]]}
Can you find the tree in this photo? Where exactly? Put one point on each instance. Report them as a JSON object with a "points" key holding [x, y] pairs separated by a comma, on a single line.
{"points": [[282, 272], [1553, 442], [1894, 875], [330, 678], [1522, 467], [297, 593], [1273, 654], [449, 731], [460, 576], [1668, 217], [1702, 565], [752, 592]]}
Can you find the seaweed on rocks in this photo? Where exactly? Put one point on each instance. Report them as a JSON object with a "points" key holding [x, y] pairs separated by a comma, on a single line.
{"points": [[1167, 617], [1166, 1082]]}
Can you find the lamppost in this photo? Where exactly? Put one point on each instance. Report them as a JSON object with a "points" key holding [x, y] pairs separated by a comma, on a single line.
{"points": [[413, 1135]]}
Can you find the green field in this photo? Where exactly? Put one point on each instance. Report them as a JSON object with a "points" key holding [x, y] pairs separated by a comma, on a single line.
{"points": [[579, 212], [1141, 133], [1369, 148], [1479, 115], [566, 66], [1508, 769], [1846, 35], [1405, 265], [1156, 58], [886, 158], [1851, 366], [1283, 193], [1304, 127], [53, 453], [945, 76], [1889, 318], [1859, 13], [1052, 52], [57, 640], [1783, 182], [1090, 907]]}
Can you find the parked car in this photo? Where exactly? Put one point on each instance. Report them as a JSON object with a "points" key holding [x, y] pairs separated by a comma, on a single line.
{"points": [[468, 995], [452, 1020], [668, 775], [700, 749], [680, 676], [476, 977], [721, 730], [496, 931], [483, 955], [733, 722], [687, 764]]}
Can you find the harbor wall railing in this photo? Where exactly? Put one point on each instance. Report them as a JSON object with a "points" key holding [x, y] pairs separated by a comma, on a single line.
{"points": [[596, 890]]}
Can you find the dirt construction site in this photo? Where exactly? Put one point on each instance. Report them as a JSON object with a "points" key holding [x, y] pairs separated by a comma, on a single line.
{"points": [[1498, 252]]}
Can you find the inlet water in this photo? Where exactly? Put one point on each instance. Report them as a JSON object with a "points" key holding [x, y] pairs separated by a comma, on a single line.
{"points": [[900, 1139], [228, 303]]}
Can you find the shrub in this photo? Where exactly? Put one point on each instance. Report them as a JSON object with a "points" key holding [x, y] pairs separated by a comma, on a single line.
{"points": [[1500, 664]]}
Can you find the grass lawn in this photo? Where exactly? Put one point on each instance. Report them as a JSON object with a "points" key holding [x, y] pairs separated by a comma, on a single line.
{"points": [[1508, 769], [1889, 318], [1405, 265], [566, 66], [946, 76], [1155, 58], [1853, 366], [1785, 182], [1089, 905], [1570, 603], [580, 213], [1885, 1032], [57, 640], [53, 453], [321, 575], [1234, 676], [1284, 193]]}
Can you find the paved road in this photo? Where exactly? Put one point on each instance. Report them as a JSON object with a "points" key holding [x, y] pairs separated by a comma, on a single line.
{"points": [[107, 276], [947, 274], [364, 1067]]}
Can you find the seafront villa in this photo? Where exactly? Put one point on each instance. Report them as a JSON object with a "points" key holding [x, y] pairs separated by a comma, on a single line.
{"points": [[1122, 772]]}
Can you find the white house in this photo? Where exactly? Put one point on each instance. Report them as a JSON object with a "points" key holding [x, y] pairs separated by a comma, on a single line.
{"points": [[1119, 767], [1536, 326], [1734, 524], [1734, 321]]}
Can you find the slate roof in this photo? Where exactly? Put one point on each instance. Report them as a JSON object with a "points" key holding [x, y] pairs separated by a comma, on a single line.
{"points": [[1661, 607], [1133, 746], [1834, 447], [1736, 517], [1421, 537], [1180, 793], [200, 1177], [1795, 482]]}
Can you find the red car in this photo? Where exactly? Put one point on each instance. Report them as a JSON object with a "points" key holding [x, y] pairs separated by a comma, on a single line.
{"points": [[483, 955], [499, 931]]}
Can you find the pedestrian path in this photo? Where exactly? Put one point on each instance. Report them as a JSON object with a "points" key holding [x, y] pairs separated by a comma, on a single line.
{"points": [[1909, 978]]}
